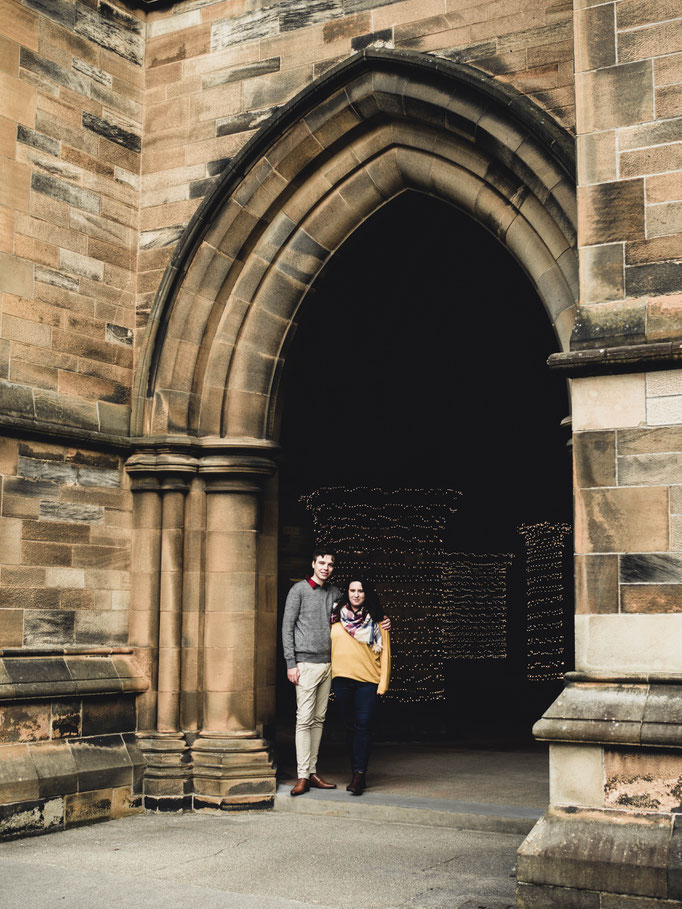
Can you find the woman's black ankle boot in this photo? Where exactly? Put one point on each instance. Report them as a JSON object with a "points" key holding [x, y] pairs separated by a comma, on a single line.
{"points": [[357, 784]]}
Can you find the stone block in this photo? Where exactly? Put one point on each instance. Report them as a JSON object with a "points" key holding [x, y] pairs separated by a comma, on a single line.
{"points": [[641, 780], [576, 775], [664, 188], [594, 458], [121, 34], [11, 627], [16, 276], [108, 714], [27, 818], [611, 212], [656, 279], [253, 25], [56, 769], [86, 807], [654, 568], [628, 643], [663, 220], [668, 100], [18, 776], [650, 469], [602, 273], [608, 402], [595, 854], [596, 583], [65, 718], [43, 628], [615, 96], [102, 762], [655, 160], [124, 803], [624, 519], [595, 37], [24, 723], [664, 318], [656, 40], [648, 598], [664, 410], [649, 441]]}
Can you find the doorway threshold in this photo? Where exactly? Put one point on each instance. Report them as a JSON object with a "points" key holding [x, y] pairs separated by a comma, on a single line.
{"points": [[496, 788]]}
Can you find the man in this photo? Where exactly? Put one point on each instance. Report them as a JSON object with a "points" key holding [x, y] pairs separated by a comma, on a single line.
{"points": [[307, 650]]}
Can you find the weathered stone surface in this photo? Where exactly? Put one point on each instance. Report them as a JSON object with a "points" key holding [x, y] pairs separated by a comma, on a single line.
{"points": [[651, 598], [24, 818], [654, 568], [54, 72], [240, 73], [239, 123], [650, 469], [52, 628], [250, 26], [622, 519], [611, 211], [122, 36], [585, 851], [661, 278], [596, 583], [102, 762], [56, 769], [86, 807], [65, 192], [112, 131], [594, 456], [38, 140]]}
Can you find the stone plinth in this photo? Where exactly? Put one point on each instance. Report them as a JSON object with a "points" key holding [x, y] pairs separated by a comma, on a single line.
{"points": [[232, 773]]}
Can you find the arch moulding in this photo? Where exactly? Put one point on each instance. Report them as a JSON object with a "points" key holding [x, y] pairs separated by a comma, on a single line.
{"points": [[378, 124]]}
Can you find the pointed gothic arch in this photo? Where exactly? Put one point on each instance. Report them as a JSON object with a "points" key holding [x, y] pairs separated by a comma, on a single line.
{"points": [[378, 124]]}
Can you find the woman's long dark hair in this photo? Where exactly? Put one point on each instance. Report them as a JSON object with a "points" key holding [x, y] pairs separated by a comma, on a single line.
{"points": [[371, 604]]}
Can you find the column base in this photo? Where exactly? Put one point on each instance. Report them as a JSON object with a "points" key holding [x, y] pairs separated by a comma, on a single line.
{"points": [[167, 784], [232, 772], [586, 858]]}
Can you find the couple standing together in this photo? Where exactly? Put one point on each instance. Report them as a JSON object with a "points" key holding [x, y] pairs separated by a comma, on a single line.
{"points": [[329, 636]]}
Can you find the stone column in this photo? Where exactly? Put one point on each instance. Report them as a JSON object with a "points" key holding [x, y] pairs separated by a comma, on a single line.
{"points": [[232, 768], [145, 580], [157, 620]]}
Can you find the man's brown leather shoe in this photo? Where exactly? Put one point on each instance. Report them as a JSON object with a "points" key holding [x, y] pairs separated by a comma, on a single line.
{"points": [[357, 784], [317, 782], [301, 786]]}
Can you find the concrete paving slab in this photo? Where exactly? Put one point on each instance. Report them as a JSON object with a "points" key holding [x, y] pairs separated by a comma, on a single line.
{"points": [[269, 860]]}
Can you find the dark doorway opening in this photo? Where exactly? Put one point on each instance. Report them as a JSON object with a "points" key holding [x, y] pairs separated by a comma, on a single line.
{"points": [[420, 362]]}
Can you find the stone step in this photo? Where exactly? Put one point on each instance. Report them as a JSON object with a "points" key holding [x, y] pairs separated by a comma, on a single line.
{"points": [[406, 809]]}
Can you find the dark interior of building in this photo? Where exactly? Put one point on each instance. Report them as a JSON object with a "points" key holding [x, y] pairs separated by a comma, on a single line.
{"points": [[420, 362]]}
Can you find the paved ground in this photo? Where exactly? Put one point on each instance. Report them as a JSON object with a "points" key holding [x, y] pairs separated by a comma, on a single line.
{"points": [[400, 846], [267, 860]]}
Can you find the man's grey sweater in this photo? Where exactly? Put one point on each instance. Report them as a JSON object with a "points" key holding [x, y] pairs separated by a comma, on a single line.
{"points": [[306, 634]]}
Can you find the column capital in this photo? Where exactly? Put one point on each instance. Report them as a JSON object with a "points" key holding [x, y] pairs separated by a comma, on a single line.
{"points": [[161, 471], [235, 472]]}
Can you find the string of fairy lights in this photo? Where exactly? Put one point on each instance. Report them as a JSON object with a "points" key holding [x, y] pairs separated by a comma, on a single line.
{"points": [[444, 605], [396, 538], [545, 596]]}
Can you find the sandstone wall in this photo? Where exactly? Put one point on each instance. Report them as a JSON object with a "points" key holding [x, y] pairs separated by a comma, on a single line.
{"points": [[216, 71], [71, 94]]}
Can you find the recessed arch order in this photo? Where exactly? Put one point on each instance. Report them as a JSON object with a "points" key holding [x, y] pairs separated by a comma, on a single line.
{"points": [[378, 124]]}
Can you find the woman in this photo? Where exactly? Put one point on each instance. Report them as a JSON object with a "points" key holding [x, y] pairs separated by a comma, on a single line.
{"points": [[361, 667]]}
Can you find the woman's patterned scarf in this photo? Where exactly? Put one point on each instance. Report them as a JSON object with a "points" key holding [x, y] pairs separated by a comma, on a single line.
{"points": [[366, 631]]}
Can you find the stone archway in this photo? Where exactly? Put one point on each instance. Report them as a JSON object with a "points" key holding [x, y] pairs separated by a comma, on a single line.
{"points": [[203, 616]]}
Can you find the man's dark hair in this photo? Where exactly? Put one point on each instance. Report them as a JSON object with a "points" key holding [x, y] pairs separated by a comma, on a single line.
{"points": [[323, 551]]}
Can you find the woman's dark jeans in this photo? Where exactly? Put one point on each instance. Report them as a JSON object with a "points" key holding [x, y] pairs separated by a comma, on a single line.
{"points": [[357, 702]]}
